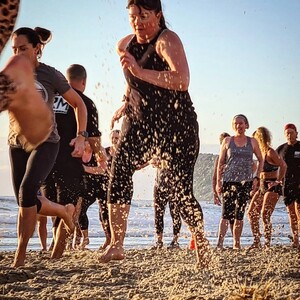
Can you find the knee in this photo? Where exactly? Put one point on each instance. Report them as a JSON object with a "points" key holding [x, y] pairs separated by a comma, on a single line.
{"points": [[266, 217], [27, 197]]}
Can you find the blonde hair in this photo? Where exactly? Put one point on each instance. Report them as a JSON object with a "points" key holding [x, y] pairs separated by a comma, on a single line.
{"points": [[263, 137]]}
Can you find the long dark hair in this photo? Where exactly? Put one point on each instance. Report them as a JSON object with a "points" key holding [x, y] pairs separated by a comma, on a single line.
{"points": [[35, 36], [154, 5]]}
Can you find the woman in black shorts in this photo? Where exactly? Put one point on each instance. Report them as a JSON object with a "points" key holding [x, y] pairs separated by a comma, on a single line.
{"points": [[159, 120], [30, 169]]}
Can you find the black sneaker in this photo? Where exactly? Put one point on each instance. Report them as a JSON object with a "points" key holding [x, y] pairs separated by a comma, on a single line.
{"points": [[173, 245], [158, 245]]}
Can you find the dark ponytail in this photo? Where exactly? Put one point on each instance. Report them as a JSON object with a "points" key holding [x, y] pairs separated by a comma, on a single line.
{"points": [[35, 36]]}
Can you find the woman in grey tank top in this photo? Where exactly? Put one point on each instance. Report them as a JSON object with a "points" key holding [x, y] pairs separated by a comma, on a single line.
{"points": [[235, 178]]}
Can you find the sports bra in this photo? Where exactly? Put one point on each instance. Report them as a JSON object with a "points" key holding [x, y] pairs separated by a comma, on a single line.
{"points": [[267, 167]]}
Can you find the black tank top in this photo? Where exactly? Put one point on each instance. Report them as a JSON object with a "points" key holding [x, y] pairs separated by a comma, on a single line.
{"points": [[154, 103]]}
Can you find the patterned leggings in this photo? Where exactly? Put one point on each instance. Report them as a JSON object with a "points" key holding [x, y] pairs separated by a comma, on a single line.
{"points": [[8, 15]]}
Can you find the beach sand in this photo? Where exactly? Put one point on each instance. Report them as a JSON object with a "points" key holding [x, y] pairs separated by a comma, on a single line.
{"points": [[155, 274]]}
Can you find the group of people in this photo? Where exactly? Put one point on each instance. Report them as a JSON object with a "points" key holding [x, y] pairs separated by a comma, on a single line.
{"points": [[59, 166], [158, 119], [239, 180]]}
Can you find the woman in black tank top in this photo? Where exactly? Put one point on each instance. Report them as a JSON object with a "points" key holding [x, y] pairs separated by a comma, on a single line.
{"points": [[159, 119], [270, 188]]}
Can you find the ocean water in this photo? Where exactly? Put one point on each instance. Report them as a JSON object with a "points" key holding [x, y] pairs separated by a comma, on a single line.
{"points": [[140, 230]]}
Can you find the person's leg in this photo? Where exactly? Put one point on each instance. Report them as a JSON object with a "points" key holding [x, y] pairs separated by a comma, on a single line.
{"points": [[228, 200], [243, 195], [64, 212], [87, 201], [104, 219], [118, 215], [237, 233], [38, 165], [42, 231], [26, 226], [68, 191], [223, 227], [132, 151], [176, 221], [298, 215], [270, 200], [159, 212], [254, 212], [101, 195], [291, 208]]}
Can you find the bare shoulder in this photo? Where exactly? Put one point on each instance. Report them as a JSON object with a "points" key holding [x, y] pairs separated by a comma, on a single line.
{"points": [[273, 154], [254, 142], [226, 142], [122, 44], [168, 37]]}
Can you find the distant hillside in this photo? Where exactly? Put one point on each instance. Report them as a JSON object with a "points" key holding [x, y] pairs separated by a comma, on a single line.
{"points": [[203, 176]]}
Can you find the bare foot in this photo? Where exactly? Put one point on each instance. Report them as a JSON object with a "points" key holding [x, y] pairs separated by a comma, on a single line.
{"points": [[105, 245], [255, 245], [112, 253], [19, 260], [69, 218], [220, 247], [84, 243]]}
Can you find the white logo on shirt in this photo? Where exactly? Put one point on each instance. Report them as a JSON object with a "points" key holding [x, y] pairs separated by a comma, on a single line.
{"points": [[297, 154], [40, 88], [60, 105]]}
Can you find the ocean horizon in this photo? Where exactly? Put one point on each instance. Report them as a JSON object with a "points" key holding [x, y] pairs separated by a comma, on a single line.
{"points": [[140, 231]]}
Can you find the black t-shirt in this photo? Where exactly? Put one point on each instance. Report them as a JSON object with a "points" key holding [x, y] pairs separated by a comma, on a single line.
{"points": [[67, 129], [291, 155]]}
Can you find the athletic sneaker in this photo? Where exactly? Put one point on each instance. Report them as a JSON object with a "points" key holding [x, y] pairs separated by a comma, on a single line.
{"points": [[173, 245]]}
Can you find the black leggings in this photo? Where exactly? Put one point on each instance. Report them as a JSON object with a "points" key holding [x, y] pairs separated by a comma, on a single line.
{"points": [[93, 190], [29, 170], [63, 187], [176, 142], [164, 194]]}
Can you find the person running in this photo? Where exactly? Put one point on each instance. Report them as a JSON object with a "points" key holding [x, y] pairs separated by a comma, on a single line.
{"points": [[99, 181], [270, 188], [159, 118], [235, 178], [290, 153], [18, 94], [30, 169], [65, 183]]}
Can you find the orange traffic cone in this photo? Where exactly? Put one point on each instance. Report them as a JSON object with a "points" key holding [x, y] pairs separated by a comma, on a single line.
{"points": [[192, 244]]}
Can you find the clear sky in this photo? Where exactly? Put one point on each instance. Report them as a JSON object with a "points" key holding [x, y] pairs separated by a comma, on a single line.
{"points": [[243, 56]]}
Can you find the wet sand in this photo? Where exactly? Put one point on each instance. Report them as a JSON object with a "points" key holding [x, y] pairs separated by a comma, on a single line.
{"points": [[155, 274]]}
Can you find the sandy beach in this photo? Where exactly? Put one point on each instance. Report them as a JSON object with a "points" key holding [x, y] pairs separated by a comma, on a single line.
{"points": [[155, 274]]}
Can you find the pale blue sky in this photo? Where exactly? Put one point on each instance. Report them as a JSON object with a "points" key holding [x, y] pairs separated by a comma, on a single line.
{"points": [[243, 56]]}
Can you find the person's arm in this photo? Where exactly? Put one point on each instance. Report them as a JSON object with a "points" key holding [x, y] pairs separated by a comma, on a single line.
{"points": [[81, 118], [221, 164], [170, 48], [214, 184], [258, 155], [278, 161], [257, 152]]}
